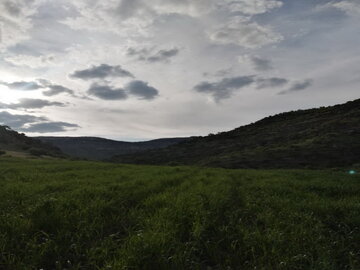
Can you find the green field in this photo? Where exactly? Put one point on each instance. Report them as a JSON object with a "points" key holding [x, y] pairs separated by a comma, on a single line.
{"points": [[87, 215]]}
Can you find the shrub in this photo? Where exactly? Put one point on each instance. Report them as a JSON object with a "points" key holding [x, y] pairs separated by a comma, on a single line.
{"points": [[37, 152]]}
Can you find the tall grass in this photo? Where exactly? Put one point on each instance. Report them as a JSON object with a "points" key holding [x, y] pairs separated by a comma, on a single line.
{"points": [[86, 215]]}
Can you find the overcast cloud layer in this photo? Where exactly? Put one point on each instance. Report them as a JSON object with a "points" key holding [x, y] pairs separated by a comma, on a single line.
{"points": [[143, 69]]}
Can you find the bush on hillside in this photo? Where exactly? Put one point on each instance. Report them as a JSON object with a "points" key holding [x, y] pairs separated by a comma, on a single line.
{"points": [[37, 152]]}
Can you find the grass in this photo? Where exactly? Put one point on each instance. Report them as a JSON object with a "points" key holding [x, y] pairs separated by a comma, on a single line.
{"points": [[87, 215]]}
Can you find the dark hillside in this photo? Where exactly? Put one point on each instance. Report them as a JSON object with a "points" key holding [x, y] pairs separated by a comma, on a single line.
{"points": [[315, 138], [13, 141]]}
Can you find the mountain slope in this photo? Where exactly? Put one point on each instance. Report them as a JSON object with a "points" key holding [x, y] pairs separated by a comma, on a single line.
{"points": [[315, 138], [18, 144], [100, 149]]}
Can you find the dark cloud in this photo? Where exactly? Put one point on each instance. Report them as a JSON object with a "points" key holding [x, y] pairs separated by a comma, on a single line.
{"points": [[30, 123], [30, 103], [52, 89], [27, 86], [135, 88], [129, 8], [301, 85], [48, 127], [12, 8], [17, 121], [141, 89], [141, 54], [271, 82], [256, 62], [107, 92], [150, 56], [163, 55], [220, 73], [57, 89], [298, 86], [224, 88], [101, 72], [261, 64]]}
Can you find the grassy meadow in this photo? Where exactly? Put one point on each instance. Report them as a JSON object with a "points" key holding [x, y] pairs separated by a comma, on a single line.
{"points": [[57, 214]]}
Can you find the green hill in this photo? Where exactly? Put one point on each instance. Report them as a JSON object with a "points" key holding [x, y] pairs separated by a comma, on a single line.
{"points": [[315, 138], [17, 144]]}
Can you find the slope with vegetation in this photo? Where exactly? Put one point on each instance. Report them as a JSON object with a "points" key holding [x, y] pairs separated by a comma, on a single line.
{"points": [[14, 143], [101, 149], [315, 138], [84, 215]]}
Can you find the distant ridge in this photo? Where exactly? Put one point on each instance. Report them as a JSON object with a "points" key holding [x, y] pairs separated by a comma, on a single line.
{"points": [[95, 148], [316, 138]]}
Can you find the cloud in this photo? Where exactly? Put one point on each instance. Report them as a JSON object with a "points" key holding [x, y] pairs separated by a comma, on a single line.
{"points": [[135, 88], [242, 32], [195, 8], [252, 7], [134, 14], [142, 90], [163, 55], [349, 7], [35, 124], [101, 72], [31, 61], [57, 89], [15, 21], [223, 89], [257, 62], [141, 54], [185, 7], [48, 127], [148, 55], [50, 89], [298, 86], [27, 86], [135, 17], [271, 82], [17, 121], [118, 17], [131, 8], [140, 8], [30, 103], [107, 92], [54, 89], [132, 18], [220, 73], [122, 15], [12, 8]]}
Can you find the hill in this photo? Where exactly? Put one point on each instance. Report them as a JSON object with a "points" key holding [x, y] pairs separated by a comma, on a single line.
{"points": [[60, 214], [315, 138], [17, 144], [101, 149]]}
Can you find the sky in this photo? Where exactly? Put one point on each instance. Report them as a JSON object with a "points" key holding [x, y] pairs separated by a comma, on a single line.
{"points": [[145, 69]]}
